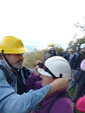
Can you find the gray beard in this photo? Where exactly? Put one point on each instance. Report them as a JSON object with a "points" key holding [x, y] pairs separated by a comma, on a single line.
{"points": [[19, 66]]}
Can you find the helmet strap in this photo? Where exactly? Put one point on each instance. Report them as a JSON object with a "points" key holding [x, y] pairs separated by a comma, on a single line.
{"points": [[60, 75], [41, 65], [8, 61]]}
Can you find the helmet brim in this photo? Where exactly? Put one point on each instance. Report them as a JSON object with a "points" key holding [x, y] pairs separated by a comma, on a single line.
{"points": [[15, 51], [42, 72]]}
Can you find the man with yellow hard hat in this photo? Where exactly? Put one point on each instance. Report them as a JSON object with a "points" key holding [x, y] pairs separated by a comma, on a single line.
{"points": [[14, 97]]}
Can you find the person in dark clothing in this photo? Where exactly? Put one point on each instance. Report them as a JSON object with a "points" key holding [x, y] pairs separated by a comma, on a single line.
{"points": [[63, 53], [79, 85], [68, 55], [55, 51], [49, 53], [80, 104]]}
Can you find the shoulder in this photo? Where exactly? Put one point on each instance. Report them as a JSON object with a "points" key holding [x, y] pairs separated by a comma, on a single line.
{"points": [[62, 104], [2, 74], [27, 69]]}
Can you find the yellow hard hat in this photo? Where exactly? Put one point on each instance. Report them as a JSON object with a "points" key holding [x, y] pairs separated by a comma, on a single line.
{"points": [[51, 45], [12, 45]]}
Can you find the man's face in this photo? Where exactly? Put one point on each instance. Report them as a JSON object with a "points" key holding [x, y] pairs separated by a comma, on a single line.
{"points": [[16, 60], [46, 80]]}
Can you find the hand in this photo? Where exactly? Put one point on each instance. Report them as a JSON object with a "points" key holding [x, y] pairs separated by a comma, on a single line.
{"points": [[32, 112], [59, 84], [36, 73]]}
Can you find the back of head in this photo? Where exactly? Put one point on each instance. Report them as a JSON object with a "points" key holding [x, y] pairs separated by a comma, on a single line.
{"points": [[12, 45], [58, 66]]}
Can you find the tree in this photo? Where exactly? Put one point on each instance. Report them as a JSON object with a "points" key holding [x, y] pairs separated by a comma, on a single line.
{"points": [[73, 44]]}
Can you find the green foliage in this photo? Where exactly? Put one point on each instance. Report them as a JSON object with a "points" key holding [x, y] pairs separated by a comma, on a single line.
{"points": [[59, 50], [31, 59], [72, 91], [72, 44]]}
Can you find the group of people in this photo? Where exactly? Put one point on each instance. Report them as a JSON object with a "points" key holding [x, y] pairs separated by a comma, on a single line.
{"points": [[17, 93], [78, 75], [22, 91], [80, 104]]}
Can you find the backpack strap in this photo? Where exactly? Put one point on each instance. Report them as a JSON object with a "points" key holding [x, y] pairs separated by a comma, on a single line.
{"points": [[9, 79], [62, 95], [26, 72]]}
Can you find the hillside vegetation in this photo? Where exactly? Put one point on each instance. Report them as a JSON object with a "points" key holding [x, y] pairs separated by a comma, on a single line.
{"points": [[32, 58]]}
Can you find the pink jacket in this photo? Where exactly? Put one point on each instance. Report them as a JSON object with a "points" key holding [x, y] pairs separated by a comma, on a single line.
{"points": [[81, 104]]}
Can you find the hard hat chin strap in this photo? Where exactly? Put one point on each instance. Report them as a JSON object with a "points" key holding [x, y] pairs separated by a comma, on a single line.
{"points": [[8, 61]]}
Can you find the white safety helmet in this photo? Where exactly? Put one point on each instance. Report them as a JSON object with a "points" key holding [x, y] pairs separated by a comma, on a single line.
{"points": [[58, 66], [50, 48], [82, 46]]}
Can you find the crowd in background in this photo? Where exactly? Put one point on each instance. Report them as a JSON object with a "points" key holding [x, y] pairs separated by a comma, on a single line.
{"points": [[78, 71]]}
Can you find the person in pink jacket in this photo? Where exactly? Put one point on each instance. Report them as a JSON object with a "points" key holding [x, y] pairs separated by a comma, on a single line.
{"points": [[81, 104], [81, 101]]}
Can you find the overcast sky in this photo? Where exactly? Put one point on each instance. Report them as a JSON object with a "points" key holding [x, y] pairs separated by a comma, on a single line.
{"points": [[41, 22]]}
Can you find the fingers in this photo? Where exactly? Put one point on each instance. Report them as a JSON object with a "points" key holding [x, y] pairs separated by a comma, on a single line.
{"points": [[36, 71]]}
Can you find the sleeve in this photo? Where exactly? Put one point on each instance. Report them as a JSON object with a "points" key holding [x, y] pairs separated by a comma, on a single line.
{"points": [[10, 102], [81, 104], [32, 82]]}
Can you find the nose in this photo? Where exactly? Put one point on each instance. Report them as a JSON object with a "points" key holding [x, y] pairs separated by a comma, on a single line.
{"points": [[21, 56]]}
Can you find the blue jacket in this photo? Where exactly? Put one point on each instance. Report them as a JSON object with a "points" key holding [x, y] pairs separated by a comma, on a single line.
{"points": [[54, 52], [11, 102]]}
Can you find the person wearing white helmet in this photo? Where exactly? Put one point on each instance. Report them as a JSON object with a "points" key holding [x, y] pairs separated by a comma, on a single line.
{"points": [[55, 49], [48, 53], [54, 68]]}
